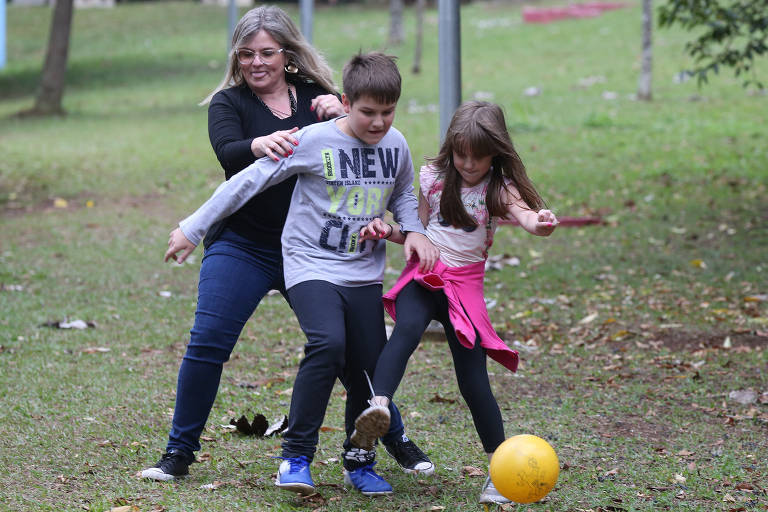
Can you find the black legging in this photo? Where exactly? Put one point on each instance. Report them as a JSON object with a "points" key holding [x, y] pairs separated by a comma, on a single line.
{"points": [[416, 307]]}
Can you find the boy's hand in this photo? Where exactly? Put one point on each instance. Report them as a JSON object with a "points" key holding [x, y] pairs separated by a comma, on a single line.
{"points": [[377, 229], [420, 244], [545, 223], [178, 242]]}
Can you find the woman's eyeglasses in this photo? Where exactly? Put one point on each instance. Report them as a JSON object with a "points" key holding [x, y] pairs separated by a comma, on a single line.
{"points": [[266, 56]]}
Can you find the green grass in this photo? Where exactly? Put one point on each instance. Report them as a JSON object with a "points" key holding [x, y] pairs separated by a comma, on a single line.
{"points": [[629, 399]]}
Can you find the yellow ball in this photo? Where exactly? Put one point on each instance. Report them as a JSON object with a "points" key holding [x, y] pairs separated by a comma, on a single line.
{"points": [[524, 468]]}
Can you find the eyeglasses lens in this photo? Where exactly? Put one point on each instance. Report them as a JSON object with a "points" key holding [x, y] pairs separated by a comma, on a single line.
{"points": [[245, 56]]}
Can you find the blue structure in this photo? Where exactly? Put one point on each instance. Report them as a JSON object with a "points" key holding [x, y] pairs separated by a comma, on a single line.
{"points": [[2, 34]]}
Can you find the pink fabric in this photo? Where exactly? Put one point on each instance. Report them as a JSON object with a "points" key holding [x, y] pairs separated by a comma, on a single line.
{"points": [[463, 286], [582, 10]]}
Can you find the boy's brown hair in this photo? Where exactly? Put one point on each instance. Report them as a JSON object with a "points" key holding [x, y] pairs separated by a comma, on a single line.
{"points": [[374, 75]]}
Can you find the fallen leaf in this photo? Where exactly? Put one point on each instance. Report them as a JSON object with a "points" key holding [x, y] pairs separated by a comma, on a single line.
{"points": [[95, 350], [680, 479], [743, 396], [215, 485], [277, 426], [257, 427], [698, 263], [440, 400], [472, 471], [331, 429], [587, 319], [74, 324], [60, 203]]}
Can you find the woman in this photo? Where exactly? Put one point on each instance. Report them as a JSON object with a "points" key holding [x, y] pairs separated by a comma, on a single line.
{"points": [[275, 83]]}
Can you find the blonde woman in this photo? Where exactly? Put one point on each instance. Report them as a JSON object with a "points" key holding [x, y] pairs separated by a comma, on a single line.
{"points": [[275, 83]]}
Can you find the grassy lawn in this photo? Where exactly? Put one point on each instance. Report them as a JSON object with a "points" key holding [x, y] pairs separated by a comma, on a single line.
{"points": [[635, 336]]}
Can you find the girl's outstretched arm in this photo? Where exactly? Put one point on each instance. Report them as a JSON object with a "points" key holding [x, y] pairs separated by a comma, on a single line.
{"points": [[541, 223]]}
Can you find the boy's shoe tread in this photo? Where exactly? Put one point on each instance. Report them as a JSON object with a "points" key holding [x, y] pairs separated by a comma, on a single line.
{"points": [[365, 480], [410, 457], [489, 493], [369, 426], [172, 465], [293, 475]]}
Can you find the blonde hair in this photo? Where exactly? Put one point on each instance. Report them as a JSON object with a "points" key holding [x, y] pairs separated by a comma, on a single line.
{"points": [[273, 20], [478, 129]]}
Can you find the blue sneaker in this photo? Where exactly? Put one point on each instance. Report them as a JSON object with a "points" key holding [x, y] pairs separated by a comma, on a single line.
{"points": [[366, 481], [293, 475]]}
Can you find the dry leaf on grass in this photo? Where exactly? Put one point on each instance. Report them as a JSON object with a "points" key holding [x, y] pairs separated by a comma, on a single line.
{"points": [[472, 471]]}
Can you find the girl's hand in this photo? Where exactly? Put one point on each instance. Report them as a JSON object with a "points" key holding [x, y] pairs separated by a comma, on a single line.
{"points": [[278, 143], [423, 248], [326, 106], [545, 223], [377, 229], [178, 242]]}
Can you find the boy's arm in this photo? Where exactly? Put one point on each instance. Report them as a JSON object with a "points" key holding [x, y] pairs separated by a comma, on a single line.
{"points": [[231, 195]]}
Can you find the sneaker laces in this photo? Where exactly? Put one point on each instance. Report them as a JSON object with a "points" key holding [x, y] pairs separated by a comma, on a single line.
{"points": [[410, 448], [360, 455], [296, 463]]}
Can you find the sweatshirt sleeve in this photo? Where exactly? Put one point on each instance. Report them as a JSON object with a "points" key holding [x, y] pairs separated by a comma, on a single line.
{"points": [[229, 142], [231, 195], [403, 203]]}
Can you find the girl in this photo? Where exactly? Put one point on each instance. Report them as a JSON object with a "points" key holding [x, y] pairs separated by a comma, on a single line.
{"points": [[476, 179]]}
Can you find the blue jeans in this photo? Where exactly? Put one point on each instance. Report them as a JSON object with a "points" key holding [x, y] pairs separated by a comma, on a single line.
{"points": [[235, 275]]}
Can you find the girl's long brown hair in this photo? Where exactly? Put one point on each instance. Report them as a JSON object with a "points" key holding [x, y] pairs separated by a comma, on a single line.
{"points": [[478, 129]]}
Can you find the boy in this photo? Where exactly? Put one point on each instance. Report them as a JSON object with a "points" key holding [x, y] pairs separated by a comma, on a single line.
{"points": [[350, 170]]}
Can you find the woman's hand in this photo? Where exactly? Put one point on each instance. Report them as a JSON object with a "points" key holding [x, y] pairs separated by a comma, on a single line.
{"points": [[178, 242], [327, 106], [278, 143], [377, 229]]}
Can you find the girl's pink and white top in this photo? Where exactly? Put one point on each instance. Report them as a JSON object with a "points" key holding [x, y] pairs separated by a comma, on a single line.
{"points": [[460, 271]]}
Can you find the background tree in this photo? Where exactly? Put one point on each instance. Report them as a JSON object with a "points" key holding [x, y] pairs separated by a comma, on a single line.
{"points": [[731, 33], [646, 67], [48, 100], [420, 4], [396, 31]]}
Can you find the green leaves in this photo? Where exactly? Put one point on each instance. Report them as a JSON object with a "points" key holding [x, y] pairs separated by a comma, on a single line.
{"points": [[730, 34]]}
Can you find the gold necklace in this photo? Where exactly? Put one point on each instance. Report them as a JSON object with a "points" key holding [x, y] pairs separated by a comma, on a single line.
{"points": [[277, 112]]}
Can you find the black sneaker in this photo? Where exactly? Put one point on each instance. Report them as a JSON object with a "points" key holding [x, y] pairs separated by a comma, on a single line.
{"points": [[172, 465], [410, 457]]}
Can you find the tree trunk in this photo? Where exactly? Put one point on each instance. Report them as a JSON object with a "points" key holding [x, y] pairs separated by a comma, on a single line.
{"points": [[646, 67], [48, 101], [396, 34], [420, 4]]}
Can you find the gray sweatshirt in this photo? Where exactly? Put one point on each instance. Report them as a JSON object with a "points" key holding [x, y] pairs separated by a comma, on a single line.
{"points": [[343, 184]]}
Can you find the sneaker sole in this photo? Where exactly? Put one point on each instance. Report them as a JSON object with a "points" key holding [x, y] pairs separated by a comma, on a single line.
{"points": [[158, 475], [421, 472], [369, 426], [303, 489]]}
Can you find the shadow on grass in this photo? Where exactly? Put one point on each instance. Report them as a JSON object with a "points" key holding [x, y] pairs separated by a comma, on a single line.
{"points": [[104, 73]]}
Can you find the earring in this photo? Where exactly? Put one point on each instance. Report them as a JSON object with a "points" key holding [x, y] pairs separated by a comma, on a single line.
{"points": [[291, 68]]}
